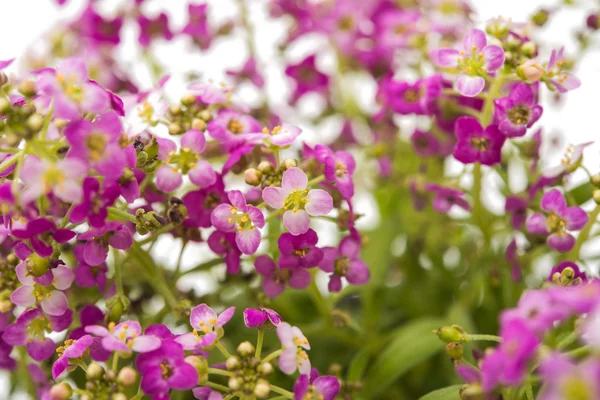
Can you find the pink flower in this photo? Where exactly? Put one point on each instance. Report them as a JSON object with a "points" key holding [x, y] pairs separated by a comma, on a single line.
{"points": [[73, 348], [240, 218], [62, 178], [205, 322], [299, 203], [293, 356], [276, 278], [344, 261], [124, 337]]}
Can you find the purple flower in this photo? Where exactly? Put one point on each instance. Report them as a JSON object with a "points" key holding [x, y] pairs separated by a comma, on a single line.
{"points": [[557, 75], [299, 203], [197, 27], [152, 28], [293, 356], [299, 250], [87, 275], [231, 128], [476, 144], [240, 218], [262, 318], [446, 197], [62, 178], [249, 71], [516, 207], [97, 143], [425, 144], [307, 77], [41, 234], [201, 203], [206, 324], [567, 273], [344, 261], [93, 26], [47, 289], [113, 233], [281, 136], [95, 203], [315, 386], [71, 92], [396, 28], [563, 379], [557, 221], [410, 98], [30, 328], [124, 337], [276, 278], [339, 168], [517, 112], [73, 348], [475, 61], [91, 315], [508, 363], [164, 369], [223, 244]]}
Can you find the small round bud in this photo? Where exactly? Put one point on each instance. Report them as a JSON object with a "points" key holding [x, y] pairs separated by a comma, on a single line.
{"points": [[198, 124], [245, 349], [175, 129], [253, 176], [36, 265], [188, 99], [289, 163], [595, 180], [266, 167], [541, 17], [35, 122], [529, 49], [85, 397], [110, 376], [262, 389], [205, 115], [335, 369], [592, 22], [27, 88], [60, 123], [127, 376], [596, 196], [5, 306], [61, 391], [452, 333], [5, 105], [174, 110], [471, 392], [3, 79], [94, 371], [530, 71], [119, 396], [455, 350], [235, 383], [232, 363], [265, 368]]}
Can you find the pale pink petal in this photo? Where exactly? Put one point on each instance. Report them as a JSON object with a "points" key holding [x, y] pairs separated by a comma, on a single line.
{"points": [[294, 179], [23, 296], [168, 179], [287, 360], [274, 196], [470, 86], [203, 175], [248, 240], [202, 313], [145, 343], [55, 304], [225, 316], [63, 277], [319, 202], [297, 222]]}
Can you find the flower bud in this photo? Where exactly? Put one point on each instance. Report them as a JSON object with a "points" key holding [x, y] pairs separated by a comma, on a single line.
{"points": [[529, 49], [117, 306], [142, 159], [175, 129], [454, 350], [266, 167], [27, 88], [198, 124], [253, 176], [265, 368], [596, 196], [36, 265], [151, 149], [452, 333], [174, 110], [127, 376], [94, 371], [177, 212], [591, 21], [540, 18], [471, 392], [335, 369], [235, 383], [245, 349], [595, 180], [5, 105], [262, 389], [118, 396], [35, 122], [61, 391], [188, 99], [5, 306], [232, 363], [288, 163], [205, 115], [530, 71]]}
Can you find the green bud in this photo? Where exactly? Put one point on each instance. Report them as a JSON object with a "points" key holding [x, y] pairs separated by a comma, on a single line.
{"points": [[452, 333], [252, 176], [529, 49], [5, 105], [232, 363], [540, 18], [94, 371], [205, 115], [455, 350], [198, 124], [266, 167], [596, 196], [117, 306], [35, 122], [152, 149], [262, 389], [174, 110], [288, 163], [201, 365], [142, 159], [175, 129], [595, 180], [245, 349], [471, 392], [188, 100], [27, 88], [61, 391], [177, 212], [118, 396], [36, 265]]}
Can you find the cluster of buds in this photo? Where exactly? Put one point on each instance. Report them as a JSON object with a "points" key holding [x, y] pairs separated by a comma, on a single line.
{"points": [[189, 114], [18, 121], [148, 221], [249, 372], [266, 174], [146, 154], [8, 281]]}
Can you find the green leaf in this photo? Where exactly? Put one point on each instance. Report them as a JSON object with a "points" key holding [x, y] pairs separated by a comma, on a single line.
{"points": [[412, 344], [582, 193], [447, 393], [358, 365]]}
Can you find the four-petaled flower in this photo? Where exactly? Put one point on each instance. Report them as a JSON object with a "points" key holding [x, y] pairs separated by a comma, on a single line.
{"points": [[344, 261], [294, 343], [517, 112], [316, 387], [124, 337], [73, 348], [476, 144]]}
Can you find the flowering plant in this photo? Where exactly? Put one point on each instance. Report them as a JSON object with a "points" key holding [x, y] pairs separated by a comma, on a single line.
{"points": [[154, 221]]}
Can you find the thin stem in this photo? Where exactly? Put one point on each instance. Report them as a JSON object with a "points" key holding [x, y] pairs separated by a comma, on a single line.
{"points": [[217, 386], [179, 259], [316, 180], [138, 395], [584, 234], [120, 214], [118, 273], [259, 343], [12, 150], [273, 355], [287, 394], [115, 362], [217, 371], [203, 266], [222, 349], [485, 338], [157, 233]]}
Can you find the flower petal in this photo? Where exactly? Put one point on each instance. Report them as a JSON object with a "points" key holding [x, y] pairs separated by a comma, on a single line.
{"points": [[274, 196], [537, 224], [319, 202], [561, 242], [493, 56], [297, 222], [294, 179], [55, 304], [470, 86], [554, 202]]}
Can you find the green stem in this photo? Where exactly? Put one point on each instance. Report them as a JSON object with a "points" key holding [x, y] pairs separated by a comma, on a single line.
{"points": [[273, 355], [259, 343], [584, 234], [138, 395], [287, 394], [157, 233], [118, 273], [222, 349], [115, 362], [485, 338], [581, 351], [203, 266], [12, 150], [122, 215], [217, 371], [316, 180], [217, 386]]}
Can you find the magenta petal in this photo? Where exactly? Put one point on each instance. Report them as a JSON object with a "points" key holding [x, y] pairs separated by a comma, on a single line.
{"points": [[55, 304], [94, 253], [554, 202], [294, 179], [470, 86], [328, 386], [265, 265], [6, 63], [358, 273], [184, 377], [224, 317], [248, 240], [297, 222], [561, 242], [145, 343], [97, 330], [168, 179], [272, 288], [220, 218], [274, 196], [254, 318], [111, 343], [41, 349], [59, 367], [193, 140], [319, 202], [493, 57], [300, 278], [537, 224], [575, 218], [335, 283]]}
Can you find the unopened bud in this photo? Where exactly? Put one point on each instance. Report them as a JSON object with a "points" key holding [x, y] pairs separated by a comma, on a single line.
{"points": [[205, 115], [335, 369], [174, 110], [198, 124], [234, 383], [175, 129], [35, 122], [61, 391], [188, 99], [266, 167], [471, 392], [60, 123], [452, 333], [232, 363], [118, 396], [27, 88], [265, 368], [36, 265], [262, 389], [540, 18], [595, 180], [94, 371], [596, 196], [127, 376], [245, 349], [592, 22], [5, 306], [455, 350], [529, 49], [177, 213], [253, 176], [5, 105], [530, 71], [288, 163]]}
